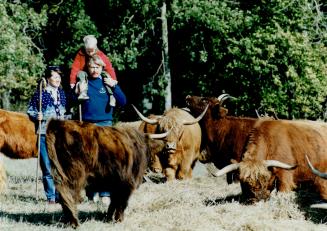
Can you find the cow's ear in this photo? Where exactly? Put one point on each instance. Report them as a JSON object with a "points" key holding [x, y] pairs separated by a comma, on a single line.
{"points": [[216, 112]]}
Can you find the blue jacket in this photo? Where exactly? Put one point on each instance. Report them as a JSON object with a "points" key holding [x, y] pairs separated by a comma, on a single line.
{"points": [[97, 108], [49, 108]]}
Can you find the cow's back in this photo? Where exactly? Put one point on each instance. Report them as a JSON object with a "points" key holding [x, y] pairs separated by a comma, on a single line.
{"points": [[18, 137], [289, 142]]}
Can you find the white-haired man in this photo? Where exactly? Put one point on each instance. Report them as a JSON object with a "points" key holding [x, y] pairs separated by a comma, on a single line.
{"points": [[79, 67]]}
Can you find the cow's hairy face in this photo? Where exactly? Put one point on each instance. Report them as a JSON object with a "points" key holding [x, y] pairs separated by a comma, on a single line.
{"points": [[197, 104], [256, 181], [175, 129]]}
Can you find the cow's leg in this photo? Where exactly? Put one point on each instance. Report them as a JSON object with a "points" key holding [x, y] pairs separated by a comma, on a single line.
{"points": [[185, 170], [170, 173], [122, 203], [119, 202]]}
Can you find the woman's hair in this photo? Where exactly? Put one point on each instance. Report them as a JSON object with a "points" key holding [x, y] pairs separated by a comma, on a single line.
{"points": [[47, 72], [95, 59]]}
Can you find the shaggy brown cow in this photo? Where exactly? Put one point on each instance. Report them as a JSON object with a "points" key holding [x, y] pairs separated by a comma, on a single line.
{"points": [[183, 142], [17, 139], [275, 148], [223, 137], [111, 159], [17, 135]]}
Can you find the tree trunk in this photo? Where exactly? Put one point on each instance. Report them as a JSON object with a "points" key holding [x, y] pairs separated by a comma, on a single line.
{"points": [[5, 100], [166, 69]]}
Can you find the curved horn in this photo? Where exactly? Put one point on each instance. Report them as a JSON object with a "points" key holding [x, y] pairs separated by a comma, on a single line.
{"points": [[319, 206], [225, 170], [276, 163], [158, 136], [145, 119], [315, 171], [223, 97], [196, 119]]}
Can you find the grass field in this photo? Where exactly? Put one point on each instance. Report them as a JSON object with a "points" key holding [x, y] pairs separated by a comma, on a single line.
{"points": [[203, 203]]}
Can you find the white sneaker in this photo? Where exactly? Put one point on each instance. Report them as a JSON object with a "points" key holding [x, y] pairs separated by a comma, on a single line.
{"points": [[105, 200], [95, 198]]}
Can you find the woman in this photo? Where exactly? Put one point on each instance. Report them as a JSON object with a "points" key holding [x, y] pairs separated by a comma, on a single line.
{"points": [[53, 106]]}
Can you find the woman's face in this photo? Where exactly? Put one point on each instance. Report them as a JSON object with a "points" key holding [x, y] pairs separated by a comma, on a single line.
{"points": [[55, 79], [95, 70]]}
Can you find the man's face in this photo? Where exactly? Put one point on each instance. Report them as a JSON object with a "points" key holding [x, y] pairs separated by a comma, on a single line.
{"points": [[95, 70], [91, 51]]}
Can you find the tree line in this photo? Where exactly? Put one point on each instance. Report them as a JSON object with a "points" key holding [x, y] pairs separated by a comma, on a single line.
{"points": [[271, 55]]}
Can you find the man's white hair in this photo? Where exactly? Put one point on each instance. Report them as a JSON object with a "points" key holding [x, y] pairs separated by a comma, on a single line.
{"points": [[90, 41]]}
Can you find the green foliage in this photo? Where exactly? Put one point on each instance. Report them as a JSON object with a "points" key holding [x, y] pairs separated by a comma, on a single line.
{"points": [[21, 61], [270, 54]]}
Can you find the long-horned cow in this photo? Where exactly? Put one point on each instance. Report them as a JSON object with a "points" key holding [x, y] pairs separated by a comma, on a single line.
{"points": [[275, 156], [17, 138], [223, 137], [183, 141], [111, 159]]}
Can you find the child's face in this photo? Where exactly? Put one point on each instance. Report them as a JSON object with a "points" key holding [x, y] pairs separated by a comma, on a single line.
{"points": [[95, 70], [91, 51], [55, 79]]}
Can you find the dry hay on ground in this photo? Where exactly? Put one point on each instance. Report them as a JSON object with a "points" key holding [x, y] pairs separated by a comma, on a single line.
{"points": [[203, 203]]}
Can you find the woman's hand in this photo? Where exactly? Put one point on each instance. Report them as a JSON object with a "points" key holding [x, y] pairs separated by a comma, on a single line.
{"points": [[39, 116]]}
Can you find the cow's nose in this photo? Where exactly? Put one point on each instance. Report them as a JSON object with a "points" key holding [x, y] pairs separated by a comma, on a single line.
{"points": [[171, 146]]}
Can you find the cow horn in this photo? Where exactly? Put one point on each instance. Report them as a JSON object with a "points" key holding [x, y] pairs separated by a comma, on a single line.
{"points": [[196, 119], [158, 136], [223, 97], [225, 170], [145, 119], [315, 171], [319, 206], [276, 163], [186, 109]]}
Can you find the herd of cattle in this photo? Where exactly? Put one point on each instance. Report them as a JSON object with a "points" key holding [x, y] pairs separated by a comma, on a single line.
{"points": [[260, 153]]}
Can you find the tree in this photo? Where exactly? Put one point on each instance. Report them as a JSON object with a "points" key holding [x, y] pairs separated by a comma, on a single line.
{"points": [[21, 61]]}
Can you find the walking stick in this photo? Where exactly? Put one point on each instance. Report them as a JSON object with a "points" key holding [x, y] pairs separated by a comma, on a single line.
{"points": [[43, 83]]}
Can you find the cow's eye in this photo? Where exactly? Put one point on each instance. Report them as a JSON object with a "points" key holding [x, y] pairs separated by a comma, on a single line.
{"points": [[205, 101]]}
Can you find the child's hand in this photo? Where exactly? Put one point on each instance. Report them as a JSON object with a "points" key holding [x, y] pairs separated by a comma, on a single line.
{"points": [[110, 82]]}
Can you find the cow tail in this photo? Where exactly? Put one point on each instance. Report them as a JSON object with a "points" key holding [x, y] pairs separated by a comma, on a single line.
{"points": [[57, 171]]}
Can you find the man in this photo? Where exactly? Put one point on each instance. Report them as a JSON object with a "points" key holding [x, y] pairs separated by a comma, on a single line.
{"points": [[97, 109], [79, 69]]}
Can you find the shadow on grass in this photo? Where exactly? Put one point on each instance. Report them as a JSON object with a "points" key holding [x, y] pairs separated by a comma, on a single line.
{"points": [[52, 218], [306, 196], [228, 199]]}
